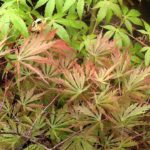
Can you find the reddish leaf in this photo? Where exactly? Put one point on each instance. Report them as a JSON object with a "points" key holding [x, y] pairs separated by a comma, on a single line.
{"points": [[60, 44]]}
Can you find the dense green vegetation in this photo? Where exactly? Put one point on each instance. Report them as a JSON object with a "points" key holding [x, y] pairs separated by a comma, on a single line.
{"points": [[74, 75]]}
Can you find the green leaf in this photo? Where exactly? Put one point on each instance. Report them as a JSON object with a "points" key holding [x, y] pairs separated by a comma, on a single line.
{"points": [[116, 9], [118, 39], [134, 110], [147, 26], [68, 4], [136, 21], [147, 58], [61, 32], [145, 49], [136, 59], [134, 13], [59, 5], [30, 2], [128, 25], [125, 10], [109, 16], [72, 13], [143, 32], [89, 2], [9, 4], [109, 34], [99, 4], [70, 23], [125, 39], [49, 9], [80, 8], [110, 27], [40, 3], [11, 56], [120, 2], [101, 14], [19, 24], [4, 25]]}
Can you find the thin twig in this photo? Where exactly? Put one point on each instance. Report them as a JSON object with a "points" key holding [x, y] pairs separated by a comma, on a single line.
{"points": [[74, 134], [43, 111], [136, 39]]}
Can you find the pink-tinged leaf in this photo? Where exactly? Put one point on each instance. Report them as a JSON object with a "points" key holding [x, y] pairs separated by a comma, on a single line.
{"points": [[18, 70], [60, 44], [90, 70], [35, 70], [51, 35], [35, 106], [39, 59]]}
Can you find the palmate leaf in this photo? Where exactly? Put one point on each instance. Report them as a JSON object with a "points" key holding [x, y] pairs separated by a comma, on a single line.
{"points": [[130, 116], [79, 143], [115, 143], [131, 16], [89, 118], [107, 9], [10, 141], [49, 71], [66, 63], [126, 143], [59, 124], [38, 126], [108, 142], [107, 99], [28, 99], [99, 49], [137, 84], [73, 82], [30, 50], [6, 109], [124, 65], [133, 111], [104, 75], [32, 124], [14, 134], [35, 48], [120, 35]]}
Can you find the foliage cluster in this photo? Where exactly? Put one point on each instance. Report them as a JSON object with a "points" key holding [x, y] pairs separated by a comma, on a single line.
{"points": [[68, 79], [52, 100]]}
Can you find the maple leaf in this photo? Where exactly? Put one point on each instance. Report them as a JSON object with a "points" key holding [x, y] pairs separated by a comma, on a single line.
{"points": [[73, 82], [99, 49], [35, 49]]}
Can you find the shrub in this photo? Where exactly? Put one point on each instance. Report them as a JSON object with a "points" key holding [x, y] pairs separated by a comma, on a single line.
{"points": [[51, 100]]}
